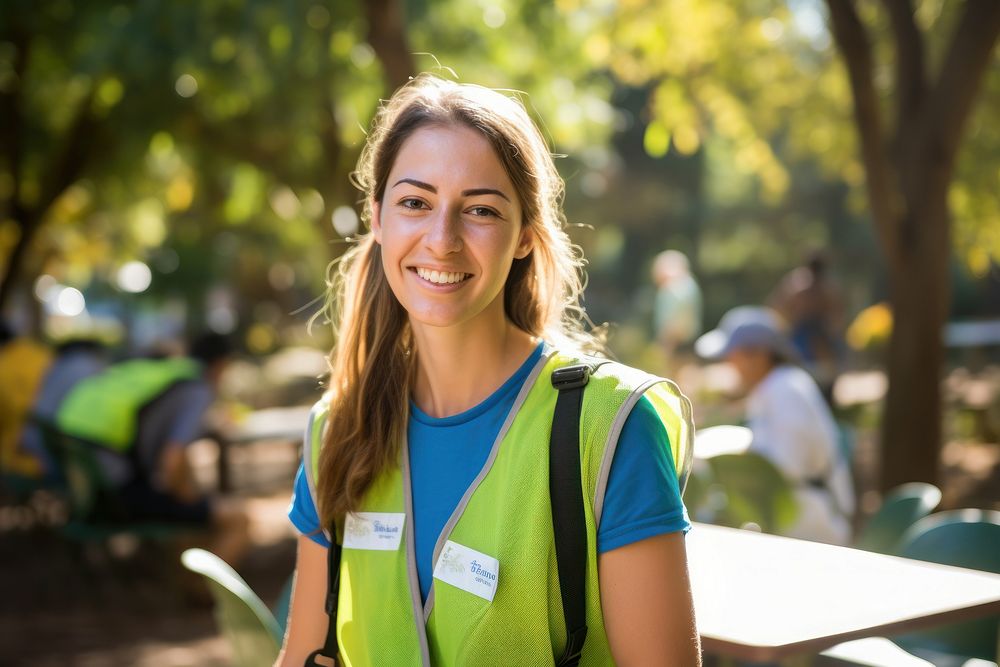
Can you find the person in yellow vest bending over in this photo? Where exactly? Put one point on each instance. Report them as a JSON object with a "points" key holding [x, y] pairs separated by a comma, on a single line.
{"points": [[426, 487], [23, 365], [141, 415]]}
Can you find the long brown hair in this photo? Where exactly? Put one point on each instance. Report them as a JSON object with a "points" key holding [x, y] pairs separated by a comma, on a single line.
{"points": [[373, 362]]}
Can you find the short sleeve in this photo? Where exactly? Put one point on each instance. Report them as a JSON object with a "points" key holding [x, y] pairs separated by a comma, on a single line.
{"points": [[302, 510], [173, 420], [187, 405], [643, 496]]}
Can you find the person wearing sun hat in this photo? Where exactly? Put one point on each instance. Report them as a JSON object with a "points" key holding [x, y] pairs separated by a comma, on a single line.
{"points": [[791, 423]]}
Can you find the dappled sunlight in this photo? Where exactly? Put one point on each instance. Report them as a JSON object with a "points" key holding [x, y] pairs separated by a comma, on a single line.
{"points": [[175, 170]]}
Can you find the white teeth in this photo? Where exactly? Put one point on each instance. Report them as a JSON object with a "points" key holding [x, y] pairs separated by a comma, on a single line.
{"points": [[440, 277]]}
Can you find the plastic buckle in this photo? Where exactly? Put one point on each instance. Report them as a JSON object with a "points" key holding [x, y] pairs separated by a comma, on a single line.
{"points": [[574, 647], [312, 660], [570, 377]]}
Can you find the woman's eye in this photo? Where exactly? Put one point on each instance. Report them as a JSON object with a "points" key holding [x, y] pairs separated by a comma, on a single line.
{"points": [[411, 203], [482, 211]]}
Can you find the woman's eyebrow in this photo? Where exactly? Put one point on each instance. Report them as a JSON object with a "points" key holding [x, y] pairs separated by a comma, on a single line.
{"points": [[483, 191], [419, 184], [465, 193]]}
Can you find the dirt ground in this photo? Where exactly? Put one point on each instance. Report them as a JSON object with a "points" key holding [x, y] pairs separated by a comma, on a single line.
{"points": [[63, 605]]}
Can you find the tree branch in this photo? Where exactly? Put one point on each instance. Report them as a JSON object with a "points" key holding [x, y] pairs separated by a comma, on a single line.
{"points": [[62, 172], [965, 65], [852, 41], [12, 132], [12, 120], [387, 35], [67, 166], [911, 81]]}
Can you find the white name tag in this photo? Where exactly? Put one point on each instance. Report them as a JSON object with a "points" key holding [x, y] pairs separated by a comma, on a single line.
{"points": [[468, 569], [378, 531]]}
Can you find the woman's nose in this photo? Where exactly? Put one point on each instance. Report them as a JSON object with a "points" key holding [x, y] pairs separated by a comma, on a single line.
{"points": [[444, 234]]}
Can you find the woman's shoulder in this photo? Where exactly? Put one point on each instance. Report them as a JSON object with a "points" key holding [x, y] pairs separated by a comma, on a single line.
{"points": [[789, 379], [321, 408], [316, 422], [602, 367]]}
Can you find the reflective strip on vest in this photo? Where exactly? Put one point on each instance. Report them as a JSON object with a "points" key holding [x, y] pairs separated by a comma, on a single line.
{"points": [[505, 514], [104, 408], [312, 444]]}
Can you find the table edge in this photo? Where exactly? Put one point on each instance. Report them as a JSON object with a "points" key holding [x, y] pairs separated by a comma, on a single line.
{"points": [[818, 644]]}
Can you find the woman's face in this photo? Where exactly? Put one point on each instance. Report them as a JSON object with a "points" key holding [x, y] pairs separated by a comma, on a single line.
{"points": [[449, 225], [751, 364]]}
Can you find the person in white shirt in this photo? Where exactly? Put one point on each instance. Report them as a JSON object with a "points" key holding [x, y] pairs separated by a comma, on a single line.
{"points": [[791, 423]]}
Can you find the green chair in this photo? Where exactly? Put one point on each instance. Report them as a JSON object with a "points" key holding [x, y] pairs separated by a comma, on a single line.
{"points": [[871, 652], [846, 441], [283, 604], [901, 508], [965, 538], [95, 509], [244, 620], [748, 488]]}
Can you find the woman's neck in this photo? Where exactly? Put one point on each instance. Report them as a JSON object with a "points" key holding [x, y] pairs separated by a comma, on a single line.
{"points": [[458, 368]]}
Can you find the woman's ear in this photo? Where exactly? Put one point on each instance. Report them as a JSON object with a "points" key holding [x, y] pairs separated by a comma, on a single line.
{"points": [[526, 243], [377, 221]]}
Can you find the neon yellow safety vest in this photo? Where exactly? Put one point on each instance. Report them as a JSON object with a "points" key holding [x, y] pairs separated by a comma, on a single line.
{"points": [[104, 408], [23, 365], [506, 515]]}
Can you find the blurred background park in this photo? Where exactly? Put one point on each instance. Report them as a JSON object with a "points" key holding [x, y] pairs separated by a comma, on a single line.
{"points": [[170, 168]]}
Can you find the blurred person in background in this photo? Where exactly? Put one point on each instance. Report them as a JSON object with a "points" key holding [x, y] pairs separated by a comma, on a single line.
{"points": [[677, 306], [813, 307], [143, 414], [23, 365], [74, 360], [792, 425]]}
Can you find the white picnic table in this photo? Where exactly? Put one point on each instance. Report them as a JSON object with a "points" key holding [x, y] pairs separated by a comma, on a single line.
{"points": [[769, 598]]}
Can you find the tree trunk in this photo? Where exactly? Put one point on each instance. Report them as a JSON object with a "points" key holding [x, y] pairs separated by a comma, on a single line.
{"points": [[12, 266], [908, 175], [911, 423], [387, 36]]}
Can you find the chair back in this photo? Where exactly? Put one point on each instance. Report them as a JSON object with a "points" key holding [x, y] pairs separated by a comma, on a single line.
{"points": [[87, 491], [964, 538], [243, 619], [284, 602], [901, 508], [754, 491]]}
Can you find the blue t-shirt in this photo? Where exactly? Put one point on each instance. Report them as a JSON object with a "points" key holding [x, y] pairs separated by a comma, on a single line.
{"points": [[446, 454]]}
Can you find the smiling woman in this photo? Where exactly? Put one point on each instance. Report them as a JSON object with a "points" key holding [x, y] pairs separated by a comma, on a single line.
{"points": [[454, 314], [449, 233]]}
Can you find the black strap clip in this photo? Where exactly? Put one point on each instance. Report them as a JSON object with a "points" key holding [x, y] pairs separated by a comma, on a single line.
{"points": [[574, 648], [328, 661], [330, 649], [571, 377]]}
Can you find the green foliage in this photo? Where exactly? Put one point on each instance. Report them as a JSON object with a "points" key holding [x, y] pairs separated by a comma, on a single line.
{"points": [[238, 114], [760, 86], [973, 198], [723, 129], [204, 115], [527, 46]]}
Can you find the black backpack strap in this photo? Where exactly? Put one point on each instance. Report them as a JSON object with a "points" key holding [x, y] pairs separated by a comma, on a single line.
{"points": [[568, 518], [330, 650]]}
